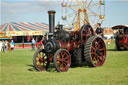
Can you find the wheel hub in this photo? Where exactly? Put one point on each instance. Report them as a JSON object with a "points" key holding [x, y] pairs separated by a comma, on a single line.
{"points": [[41, 60], [97, 51], [64, 60]]}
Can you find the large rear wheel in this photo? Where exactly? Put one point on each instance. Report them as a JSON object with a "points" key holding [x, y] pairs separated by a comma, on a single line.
{"points": [[95, 51]]}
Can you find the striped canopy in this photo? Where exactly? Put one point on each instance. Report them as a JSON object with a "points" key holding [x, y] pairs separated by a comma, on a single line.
{"points": [[23, 26], [24, 29]]}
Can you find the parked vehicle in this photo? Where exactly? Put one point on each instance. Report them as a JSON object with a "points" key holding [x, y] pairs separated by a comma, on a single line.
{"points": [[121, 37]]}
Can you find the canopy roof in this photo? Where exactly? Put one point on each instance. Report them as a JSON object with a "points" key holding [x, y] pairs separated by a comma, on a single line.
{"points": [[119, 27], [23, 26]]}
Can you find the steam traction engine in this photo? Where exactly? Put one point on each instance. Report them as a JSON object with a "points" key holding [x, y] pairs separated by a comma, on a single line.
{"points": [[66, 48], [121, 37]]}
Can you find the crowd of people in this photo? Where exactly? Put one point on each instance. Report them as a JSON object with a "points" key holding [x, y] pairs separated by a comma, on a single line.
{"points": [[40, 43], [5, 45]]}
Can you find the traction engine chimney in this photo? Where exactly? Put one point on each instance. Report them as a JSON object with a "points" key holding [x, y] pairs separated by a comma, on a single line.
{"points": [[51, 20]]}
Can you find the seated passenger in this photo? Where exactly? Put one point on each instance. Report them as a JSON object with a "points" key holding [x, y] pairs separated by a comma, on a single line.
{"points": [[126, 30], [99, 30], [120, 31]]}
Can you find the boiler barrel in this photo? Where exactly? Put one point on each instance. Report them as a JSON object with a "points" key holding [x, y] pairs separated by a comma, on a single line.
{"points": [[51, 20]]}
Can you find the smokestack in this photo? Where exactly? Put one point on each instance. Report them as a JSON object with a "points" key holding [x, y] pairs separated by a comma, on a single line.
{"points": [[51, 20]]}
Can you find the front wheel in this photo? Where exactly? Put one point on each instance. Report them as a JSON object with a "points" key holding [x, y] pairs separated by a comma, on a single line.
{"points": [[95, 51], [62, 60], [40, 60]]}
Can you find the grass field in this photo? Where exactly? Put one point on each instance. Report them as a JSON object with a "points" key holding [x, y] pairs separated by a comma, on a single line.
{"points": [[16, 68]]}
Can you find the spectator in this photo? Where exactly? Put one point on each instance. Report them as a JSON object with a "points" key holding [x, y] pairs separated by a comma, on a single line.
{"points": [[0, 46], [12, 45], [45, 37], [3, 46], [6, 45], [99, 30], [40, 44], [9, 45], [33, 44]]}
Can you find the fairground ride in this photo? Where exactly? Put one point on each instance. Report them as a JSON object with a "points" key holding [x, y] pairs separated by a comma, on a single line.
{"points": [[74, 12]]}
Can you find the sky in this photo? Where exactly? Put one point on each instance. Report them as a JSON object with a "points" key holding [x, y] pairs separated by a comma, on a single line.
{"points": [[36, 11]]}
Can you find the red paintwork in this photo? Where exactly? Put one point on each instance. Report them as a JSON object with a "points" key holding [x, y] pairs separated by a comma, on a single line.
{"points": [[76, 44], [70, 44], [66, 45], [124, 41], [51, 58]]}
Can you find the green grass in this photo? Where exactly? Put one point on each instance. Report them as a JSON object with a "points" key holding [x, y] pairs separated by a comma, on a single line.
{"points": [[16, 69]]}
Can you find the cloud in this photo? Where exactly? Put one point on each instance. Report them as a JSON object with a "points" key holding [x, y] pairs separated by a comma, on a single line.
{"points": [[49, 4], [16, 7], [50, 0], [28, 6]]}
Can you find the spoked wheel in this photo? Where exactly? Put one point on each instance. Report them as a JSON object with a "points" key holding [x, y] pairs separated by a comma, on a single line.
{"points": [[85, 32], [95, 51], [40, 60], [62, 60]]}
